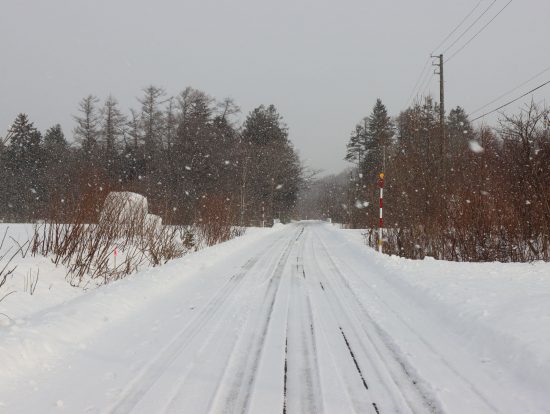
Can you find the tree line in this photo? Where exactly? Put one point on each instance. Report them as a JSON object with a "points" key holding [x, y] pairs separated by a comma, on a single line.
{"points": [[187, 154], [471, 193]]}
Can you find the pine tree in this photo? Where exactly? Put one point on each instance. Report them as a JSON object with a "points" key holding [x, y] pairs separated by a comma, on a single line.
{"points": [[58, 165], [459, 131], [87, 126], [113, 124], [170, 124], [133, 159], [192, 157], [357, 144], [152, 119], [264, 126], [274, 173], [24, 169], [379, 135], [55, 143], [24, 143], [4, 210]]}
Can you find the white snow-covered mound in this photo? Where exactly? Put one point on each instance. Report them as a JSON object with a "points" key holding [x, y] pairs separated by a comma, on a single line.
{"points": [[122, 208]]}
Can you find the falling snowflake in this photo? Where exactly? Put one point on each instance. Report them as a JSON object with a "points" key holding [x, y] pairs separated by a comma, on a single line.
{"points": [[476, 147]]}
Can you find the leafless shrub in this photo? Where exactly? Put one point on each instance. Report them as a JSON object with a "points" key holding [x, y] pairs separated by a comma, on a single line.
{"points": [[6, 268], [215, 221], [124, 240], [487, 200], [31, 281], [164, 244], [23, 248], [5, 261]]}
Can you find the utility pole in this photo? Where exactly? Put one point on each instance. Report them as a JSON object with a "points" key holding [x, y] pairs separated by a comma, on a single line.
{"points": [[443, 158], [381, 220], [441, 104]]}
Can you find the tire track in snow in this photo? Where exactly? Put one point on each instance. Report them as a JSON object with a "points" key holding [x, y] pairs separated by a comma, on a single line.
{"points": [[213, 353], [237, 398], [285, 377], [358, 368], [427, 399], [394, 384], [305, 390], [339, 314], [354, 359], [317, 390], [152, 371]]}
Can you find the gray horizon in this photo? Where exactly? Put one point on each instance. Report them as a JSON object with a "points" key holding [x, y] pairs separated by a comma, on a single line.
{"points": [[322, 64]]}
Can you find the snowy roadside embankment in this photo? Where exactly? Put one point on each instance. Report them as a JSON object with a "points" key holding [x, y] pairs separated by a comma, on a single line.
{"points": [[36, 282], [499, 311], [38, 329]]}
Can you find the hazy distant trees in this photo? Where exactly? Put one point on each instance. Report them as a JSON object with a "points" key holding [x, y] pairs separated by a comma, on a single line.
{"points": [[273, 171], [330, 197], [186, 153]]}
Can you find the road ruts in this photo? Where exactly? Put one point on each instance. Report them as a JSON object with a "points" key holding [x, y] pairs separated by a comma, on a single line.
{"points": [[411, 389], [341, 355], [304, 393], [416, 398], [131, 396], [240, 382]]}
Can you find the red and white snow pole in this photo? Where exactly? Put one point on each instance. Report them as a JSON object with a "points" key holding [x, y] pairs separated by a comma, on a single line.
{"points": [[381, 222]]}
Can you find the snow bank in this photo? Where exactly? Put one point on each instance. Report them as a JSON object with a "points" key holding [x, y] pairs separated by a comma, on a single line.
{"points": [[122, 208], [500, 312], [153, 221], [50, 288], [59, 319]]}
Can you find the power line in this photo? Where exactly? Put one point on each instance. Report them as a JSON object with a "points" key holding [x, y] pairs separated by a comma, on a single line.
{"points": [[417, 83], [427, 85], [424, 85], [510, 91], [457, 27], [470, 26], [424, 78], [421, 80], [479, 31], [512, 101]]}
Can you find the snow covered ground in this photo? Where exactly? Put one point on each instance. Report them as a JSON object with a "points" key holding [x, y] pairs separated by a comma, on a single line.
{"points": [[36, 283], [300, 318]]}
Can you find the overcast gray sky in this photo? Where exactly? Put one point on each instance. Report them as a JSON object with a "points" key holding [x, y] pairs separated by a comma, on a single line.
{"points": [[322, 63]]}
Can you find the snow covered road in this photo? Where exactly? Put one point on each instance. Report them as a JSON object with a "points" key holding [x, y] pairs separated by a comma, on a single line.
{"points": [[296, 320]]}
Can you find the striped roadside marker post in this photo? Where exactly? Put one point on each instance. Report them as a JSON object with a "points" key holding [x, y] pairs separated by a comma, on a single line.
{"points": [[381, 222]]}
